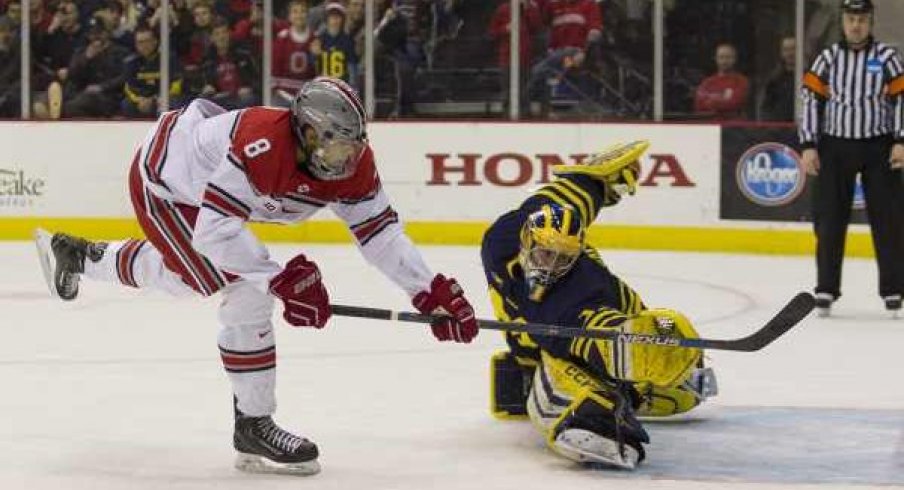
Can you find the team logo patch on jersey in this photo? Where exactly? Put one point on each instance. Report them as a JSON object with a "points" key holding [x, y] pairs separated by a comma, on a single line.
{"points": [[873, 65], [270, 205], [770, 174]]}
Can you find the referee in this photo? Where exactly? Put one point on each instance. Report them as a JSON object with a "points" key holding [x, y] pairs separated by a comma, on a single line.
{"points": [[853, 123]]}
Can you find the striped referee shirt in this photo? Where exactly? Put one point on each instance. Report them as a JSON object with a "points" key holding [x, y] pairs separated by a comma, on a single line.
{"points": [[853, 94]]}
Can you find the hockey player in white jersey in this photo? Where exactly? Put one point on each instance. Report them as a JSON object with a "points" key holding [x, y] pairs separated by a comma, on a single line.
{"points": [[199, 176]]}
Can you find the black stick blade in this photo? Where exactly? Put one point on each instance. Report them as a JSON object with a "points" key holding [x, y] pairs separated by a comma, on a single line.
{"points": [[796, 310]]}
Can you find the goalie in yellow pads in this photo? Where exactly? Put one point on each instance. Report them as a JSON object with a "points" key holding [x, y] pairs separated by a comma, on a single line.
{"points": [[584, 395]]}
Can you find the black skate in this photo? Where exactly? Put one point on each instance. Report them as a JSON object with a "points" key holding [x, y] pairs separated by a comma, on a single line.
{"points": [[264, 447], [63, 260], [893, 305]]}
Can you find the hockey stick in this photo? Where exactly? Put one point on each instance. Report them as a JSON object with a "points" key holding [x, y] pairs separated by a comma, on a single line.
{"points": [[789, 316]]}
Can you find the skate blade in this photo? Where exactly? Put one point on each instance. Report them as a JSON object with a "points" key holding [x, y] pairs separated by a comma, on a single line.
{"points": [[585, 447], [252, 463], [46, 258]]}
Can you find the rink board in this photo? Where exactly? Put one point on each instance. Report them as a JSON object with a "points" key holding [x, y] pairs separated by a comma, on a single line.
{"points": [[447, 180]]}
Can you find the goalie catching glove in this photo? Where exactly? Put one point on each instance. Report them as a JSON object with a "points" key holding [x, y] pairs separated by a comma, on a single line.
{"points": [[618, 167], [660, 365], [303, 294], [447, 299]]}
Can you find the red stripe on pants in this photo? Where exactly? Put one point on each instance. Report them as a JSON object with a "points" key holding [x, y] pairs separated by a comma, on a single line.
{"points": [[171, 240], [124, 262], [158, 145]]}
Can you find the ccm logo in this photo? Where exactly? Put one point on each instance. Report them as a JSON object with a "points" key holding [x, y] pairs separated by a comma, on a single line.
{"points": [[515, 169]]}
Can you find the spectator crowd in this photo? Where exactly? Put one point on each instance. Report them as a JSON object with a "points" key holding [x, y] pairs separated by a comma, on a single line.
{"points": [[101, 58]]}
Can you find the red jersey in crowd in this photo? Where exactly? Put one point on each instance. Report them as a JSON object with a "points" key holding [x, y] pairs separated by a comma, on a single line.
{"points": [[228, 79], [570, 21], [499, 31], [722, 95], [292, 59], [239, 8], [252, 35], [198, 44]]}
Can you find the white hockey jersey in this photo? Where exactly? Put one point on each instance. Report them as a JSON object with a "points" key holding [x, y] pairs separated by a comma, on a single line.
{"points": [[244, 165]]}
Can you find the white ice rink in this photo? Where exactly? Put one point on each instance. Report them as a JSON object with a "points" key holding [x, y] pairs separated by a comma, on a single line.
{"points": [[124, 390]]}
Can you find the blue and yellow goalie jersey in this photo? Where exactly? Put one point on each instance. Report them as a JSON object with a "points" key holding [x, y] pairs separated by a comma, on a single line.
{"points": [[588, 296]]}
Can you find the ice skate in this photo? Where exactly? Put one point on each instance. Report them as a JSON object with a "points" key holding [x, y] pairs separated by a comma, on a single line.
{"points": [[585, 446], [264, 447], [63, 261]]}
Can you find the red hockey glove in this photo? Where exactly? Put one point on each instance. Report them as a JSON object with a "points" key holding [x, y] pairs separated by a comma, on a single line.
{"points": [[446, 298], [306, 301]]}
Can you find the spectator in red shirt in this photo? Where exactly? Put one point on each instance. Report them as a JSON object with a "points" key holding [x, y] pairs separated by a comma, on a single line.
{"points": [[250, 30], [574, 27], [199, 41], [573, 23], [230, 72], [193, 45], [500, 25], [724, 94], [293, 63], [234, 10], [499, 30], [39, 16]]}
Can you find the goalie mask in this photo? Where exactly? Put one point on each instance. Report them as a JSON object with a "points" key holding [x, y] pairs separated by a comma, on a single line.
{"points": [[552, 239], [329, 121]]}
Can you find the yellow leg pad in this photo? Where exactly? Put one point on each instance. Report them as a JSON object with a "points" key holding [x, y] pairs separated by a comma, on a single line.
{"points": [[666, 401], [557, 384]]}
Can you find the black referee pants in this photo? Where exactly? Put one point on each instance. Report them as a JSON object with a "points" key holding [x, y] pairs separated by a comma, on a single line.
{"points": [[841, 160]]}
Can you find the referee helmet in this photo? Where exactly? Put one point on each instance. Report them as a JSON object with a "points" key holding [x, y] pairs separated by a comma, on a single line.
{"points": [[857, 6]]}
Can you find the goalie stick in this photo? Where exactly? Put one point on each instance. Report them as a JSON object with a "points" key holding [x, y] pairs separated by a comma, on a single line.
{"points": [[796, 310]]}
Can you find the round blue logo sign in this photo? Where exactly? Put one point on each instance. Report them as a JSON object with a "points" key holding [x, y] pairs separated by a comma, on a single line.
{"points": [[770, 174]]}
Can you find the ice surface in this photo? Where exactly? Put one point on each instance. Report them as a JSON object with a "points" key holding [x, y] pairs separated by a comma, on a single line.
{"points": [[124, 390]]}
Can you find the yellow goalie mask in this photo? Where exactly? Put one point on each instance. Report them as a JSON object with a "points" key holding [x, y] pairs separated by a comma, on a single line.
{"points": [[552, 239]]}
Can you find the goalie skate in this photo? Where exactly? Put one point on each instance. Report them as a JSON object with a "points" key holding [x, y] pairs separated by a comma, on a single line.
{"points": [[584, 446]]}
